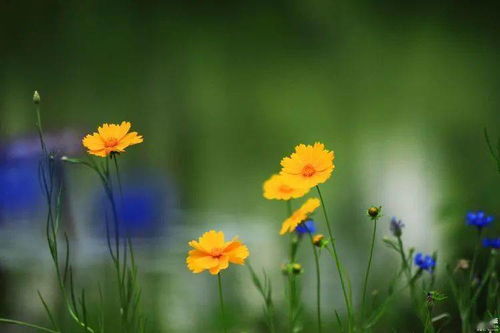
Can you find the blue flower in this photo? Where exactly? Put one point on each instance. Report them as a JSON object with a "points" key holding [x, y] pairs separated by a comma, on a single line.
{"points": [[478, 219], [306, 227], [426, 262], [396, 227], [493, 243]]}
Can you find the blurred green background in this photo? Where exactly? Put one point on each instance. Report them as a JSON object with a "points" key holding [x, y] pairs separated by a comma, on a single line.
{"points": [[221, 91]]}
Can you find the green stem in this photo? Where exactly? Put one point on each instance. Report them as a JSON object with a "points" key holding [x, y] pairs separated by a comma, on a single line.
{"points": [[318, 283], [334, 254], [474, 256], [365, 285], [221, 299], [403, 257], [22, 323], [292, 285]]}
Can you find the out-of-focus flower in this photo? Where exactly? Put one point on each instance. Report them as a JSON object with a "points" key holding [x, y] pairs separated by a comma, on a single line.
{"points": [[396, 227], [492, 243], [478, 219], [212, 253], [279, 188], [427, 263], [309, 165], [462, 264], [299, 215], [111, 138], [306, 227]]}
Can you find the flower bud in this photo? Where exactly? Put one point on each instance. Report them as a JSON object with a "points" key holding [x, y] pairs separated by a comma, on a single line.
{"points": [[296, 268], [396, 227], [319, 240], [374, 212], [36, 97], [293, 268]]}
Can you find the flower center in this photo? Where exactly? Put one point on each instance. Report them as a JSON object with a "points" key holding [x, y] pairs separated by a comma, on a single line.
{"points": [[111, 142], [285, 189], [216, 252], [308, 171]]}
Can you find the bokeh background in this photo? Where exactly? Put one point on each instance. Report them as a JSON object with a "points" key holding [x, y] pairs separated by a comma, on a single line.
{"points": [[221, 91]]}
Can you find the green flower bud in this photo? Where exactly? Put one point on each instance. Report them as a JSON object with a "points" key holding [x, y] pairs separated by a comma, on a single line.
{"points": [[296, 268], [36, 97]]}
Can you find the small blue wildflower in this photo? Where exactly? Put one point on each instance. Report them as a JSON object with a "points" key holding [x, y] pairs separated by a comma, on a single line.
{"points": [[306, 227], [396, 227], [426, 262], [493, 243], [478, 219]]}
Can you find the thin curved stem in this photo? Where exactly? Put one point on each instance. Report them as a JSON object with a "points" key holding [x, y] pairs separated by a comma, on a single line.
{"points": [[318, 283], [474, 256], [22, 323], [221, 299], [292, 281], [365, 284], [334, 254]]}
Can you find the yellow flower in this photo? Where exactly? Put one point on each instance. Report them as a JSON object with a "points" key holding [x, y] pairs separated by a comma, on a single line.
{"points": [[299, 215], [309, 165], [111, 138], [212, 253], [278, 187]]}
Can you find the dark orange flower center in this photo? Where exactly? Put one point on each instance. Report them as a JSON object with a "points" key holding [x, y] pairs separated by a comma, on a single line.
{"points": [[308, 171], [216, 252], [285, 189], [111, 142]]}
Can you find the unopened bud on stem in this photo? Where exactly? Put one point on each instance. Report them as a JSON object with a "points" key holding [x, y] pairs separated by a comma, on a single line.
{"points": [[36, 97]]}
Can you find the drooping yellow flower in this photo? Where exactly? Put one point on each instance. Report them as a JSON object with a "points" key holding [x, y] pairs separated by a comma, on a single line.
{"points": [[111, 138], [299, 215], [279, 187], [309, 165], [212, 253]]}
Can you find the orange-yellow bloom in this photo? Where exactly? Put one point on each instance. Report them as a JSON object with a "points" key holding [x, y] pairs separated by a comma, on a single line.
{"points": [[279, 187], [309, 165], [212, 253], [111, 138], [299, 215]]}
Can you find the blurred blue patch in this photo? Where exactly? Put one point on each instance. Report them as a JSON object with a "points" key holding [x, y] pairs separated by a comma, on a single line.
{"points": [[143, 209], [21, 195], [20, 191]]}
